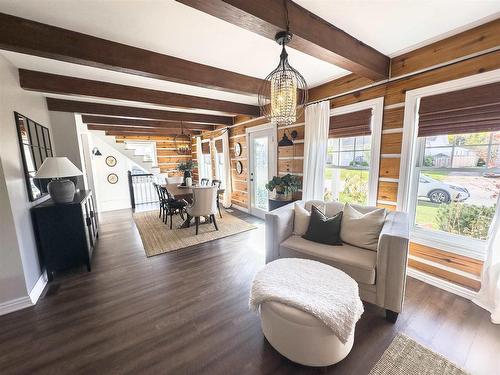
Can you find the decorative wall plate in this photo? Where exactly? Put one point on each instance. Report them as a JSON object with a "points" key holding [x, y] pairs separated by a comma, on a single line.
{"points": [[112, 178], [239, 167], [111, 161], [237, 149]]}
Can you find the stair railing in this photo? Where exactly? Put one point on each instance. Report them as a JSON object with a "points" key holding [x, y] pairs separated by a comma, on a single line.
{"points": [[141, 188]]}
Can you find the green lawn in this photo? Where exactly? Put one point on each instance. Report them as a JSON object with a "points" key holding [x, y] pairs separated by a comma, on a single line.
{"points": [[426, 214], [439, 176]]}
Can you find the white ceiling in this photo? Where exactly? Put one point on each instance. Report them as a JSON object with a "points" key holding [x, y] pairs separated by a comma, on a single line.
{"points": [[171, 28]]}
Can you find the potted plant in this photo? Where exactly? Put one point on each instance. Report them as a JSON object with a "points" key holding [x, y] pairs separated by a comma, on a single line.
{"points": [[186, 167], [283, 187]]}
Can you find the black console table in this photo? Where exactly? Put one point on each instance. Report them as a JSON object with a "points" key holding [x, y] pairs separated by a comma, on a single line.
{"points": [[66, 233]]}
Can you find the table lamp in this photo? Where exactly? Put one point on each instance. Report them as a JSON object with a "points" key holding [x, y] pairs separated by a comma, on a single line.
{"points": [[61, 189]]}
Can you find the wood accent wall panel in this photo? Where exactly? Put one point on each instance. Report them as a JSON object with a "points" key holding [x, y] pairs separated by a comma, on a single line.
{"points": [[446, 258], [444, 274], [472, 41], [387, 191], [391, 143], [389, 167], [291, 166], [338, 86], [297, 150], [299, 129], [386, 206], [393, 118]]}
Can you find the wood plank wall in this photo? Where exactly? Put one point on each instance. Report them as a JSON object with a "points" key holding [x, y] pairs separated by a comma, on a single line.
{"points": [[167, 157], [471, 52]]}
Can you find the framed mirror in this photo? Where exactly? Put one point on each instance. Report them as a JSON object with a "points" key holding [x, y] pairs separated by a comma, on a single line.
{"points": [[35, 144]]}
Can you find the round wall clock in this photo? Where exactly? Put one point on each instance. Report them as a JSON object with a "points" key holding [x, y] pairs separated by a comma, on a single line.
{"points": [[239, 167], [112, 178], [111, 161], [237, 149]]}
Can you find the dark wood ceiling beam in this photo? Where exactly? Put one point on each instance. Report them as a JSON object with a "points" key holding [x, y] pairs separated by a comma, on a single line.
{"points": [[117, 128], [311, 34], [103, 120], [138, 133], [72, 106], [38, 39], [58, 84]]}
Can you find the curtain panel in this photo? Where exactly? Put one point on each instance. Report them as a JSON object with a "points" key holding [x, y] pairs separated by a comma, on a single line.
{"points": [[317, 125]]}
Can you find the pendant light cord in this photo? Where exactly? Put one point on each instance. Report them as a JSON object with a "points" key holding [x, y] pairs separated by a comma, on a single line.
{"points": [[287, 20]]}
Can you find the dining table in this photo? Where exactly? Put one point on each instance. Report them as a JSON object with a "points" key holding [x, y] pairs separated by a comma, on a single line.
{"points": [[179, 192]]}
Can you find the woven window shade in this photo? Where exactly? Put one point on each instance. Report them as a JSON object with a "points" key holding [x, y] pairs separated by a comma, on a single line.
{"points": [[472, 110], [352, 124], [205, 148], [218, 145]]}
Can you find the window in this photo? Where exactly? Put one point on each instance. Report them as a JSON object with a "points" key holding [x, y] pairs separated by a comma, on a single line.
{"points": [[352, 162], [206, 168], [456, 184], [347, 169], [219, 159]]}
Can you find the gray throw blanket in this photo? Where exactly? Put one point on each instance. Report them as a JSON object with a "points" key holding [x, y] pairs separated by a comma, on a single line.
{"points": [[323, 291]]}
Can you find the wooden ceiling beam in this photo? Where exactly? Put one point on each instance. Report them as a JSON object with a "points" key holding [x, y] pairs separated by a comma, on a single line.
{"points": [[103, 120], [311, 34], [117, 128], [138, 133], [38, 39], [72, 106], [58, 84]]}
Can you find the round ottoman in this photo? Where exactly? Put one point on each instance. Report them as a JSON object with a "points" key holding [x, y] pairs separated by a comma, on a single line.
{"points": [[301, 337]]}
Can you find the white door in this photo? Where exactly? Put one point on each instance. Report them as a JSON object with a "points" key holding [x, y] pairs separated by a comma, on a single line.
{"points": [[262, 167]]}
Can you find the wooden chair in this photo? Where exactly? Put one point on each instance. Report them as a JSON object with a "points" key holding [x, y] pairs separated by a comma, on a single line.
{"points": [[173, 206], [204, 182], [218, 184], [161, 201], [204, 204]]}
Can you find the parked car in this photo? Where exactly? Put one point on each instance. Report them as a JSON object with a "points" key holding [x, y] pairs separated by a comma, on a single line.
{"points": [[441, 192]]}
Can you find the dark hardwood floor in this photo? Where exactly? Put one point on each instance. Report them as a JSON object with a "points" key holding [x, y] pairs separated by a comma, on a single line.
{"points": [[187, 312]]}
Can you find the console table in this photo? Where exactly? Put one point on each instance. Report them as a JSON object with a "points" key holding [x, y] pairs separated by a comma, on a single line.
{"points": [[66, 233]]}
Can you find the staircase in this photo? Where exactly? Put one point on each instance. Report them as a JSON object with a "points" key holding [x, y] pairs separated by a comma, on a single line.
{"points": [[144, 162]]}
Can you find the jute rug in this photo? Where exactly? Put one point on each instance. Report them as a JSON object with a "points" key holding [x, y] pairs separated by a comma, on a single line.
{"points": [[407, 357], [158, 238]]}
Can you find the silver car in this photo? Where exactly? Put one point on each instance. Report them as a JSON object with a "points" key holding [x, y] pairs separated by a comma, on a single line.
{"points": [[441, 192]]}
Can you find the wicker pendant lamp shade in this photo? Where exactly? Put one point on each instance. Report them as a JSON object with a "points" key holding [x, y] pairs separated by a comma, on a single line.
{"points": [[283, 93]]}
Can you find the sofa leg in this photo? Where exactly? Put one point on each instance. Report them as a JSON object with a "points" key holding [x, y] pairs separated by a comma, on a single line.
{"points": [[391, 316]]}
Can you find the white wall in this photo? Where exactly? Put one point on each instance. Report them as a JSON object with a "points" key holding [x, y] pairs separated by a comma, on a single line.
{"points": [[16, 220], [110, 197]]}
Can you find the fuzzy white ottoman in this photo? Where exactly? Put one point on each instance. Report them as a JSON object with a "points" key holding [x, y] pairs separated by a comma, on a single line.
{"points": [[308, 310]]}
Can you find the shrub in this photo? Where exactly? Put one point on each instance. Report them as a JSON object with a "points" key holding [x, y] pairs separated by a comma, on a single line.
{"points": [[467, 220], [355, 190]]}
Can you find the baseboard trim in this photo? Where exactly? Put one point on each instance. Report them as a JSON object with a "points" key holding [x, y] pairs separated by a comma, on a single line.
{"points": [[37, 290], [442, 284], [15, 304], [239, 208]]}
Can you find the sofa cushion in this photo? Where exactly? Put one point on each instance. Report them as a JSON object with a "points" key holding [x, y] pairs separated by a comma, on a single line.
{"points": [[324, 229], [358, 263], [301, 219], [362, 229]]}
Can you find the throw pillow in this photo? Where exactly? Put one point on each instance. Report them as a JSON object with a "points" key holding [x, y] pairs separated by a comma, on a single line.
{"points": [[362, 230], [322, 229], [300, 220]]}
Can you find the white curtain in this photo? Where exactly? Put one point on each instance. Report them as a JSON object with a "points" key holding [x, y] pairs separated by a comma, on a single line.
{"points": [[489, 295], [315, 149], [199, 159], [214, 174], [226, 202]]}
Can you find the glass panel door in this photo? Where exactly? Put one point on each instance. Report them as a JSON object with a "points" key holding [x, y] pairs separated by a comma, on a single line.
{"points": [[262, 168]]}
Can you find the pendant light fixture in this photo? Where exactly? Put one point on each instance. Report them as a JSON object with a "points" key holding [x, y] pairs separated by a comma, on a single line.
{"points": [[182, 143], [283, 94]]}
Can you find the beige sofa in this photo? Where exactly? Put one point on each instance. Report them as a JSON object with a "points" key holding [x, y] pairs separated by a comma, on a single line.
{"points": [[381, 274]]}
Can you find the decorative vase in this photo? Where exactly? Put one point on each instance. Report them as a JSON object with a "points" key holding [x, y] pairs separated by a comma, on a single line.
{"points": [[187, 173], [61, 190], [189, 181]]}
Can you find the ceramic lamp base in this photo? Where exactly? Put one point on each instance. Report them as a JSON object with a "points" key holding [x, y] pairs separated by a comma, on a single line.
{"points": [[61, 191]]}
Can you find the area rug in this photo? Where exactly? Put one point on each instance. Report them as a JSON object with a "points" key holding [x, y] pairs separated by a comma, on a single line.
{"points": [[158, 238], [407, 357]]}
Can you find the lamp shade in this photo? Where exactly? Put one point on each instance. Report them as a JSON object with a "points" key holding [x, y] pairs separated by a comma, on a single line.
{"points": [[57, 167]]}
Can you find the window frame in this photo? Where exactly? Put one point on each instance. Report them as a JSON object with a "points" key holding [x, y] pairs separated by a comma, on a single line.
{"points": [[408, 181], [202, 162], [377, 106]]}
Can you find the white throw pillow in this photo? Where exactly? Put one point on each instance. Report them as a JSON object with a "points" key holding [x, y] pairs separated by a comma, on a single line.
{"points": [[301, 220], [362, 230]]}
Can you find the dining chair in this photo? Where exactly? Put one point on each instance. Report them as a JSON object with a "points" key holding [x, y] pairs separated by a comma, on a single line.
{"points": [[160, 198], [218, 184], [173, 206], [204, 182], [175, 180], [204, 204]]}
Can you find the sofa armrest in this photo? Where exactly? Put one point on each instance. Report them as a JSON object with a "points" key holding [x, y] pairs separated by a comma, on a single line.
{"points": [[392, 260], [279, 226]]}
